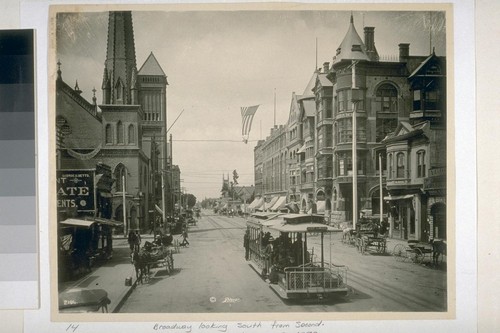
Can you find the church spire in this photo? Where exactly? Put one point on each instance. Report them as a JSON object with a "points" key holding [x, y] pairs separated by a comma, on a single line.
{"points": [[120, 59]]}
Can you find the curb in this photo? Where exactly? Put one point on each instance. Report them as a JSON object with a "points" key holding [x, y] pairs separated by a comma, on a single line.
{"points": [[123, 299]]}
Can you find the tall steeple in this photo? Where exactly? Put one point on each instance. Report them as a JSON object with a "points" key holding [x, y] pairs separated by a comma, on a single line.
{"points": [[120, 61]]}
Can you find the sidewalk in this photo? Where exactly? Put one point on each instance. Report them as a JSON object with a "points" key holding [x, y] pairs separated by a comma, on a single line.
{"points": [[110, 275]]}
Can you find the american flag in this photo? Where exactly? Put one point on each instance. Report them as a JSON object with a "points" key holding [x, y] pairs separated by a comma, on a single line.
{"points": [[247, 113]]}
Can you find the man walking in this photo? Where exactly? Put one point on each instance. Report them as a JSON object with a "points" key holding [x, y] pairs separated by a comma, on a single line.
{"points": [[246, 244]]}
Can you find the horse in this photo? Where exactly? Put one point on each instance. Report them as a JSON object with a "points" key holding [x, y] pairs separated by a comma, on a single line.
{"points": [[347, 235], [438, 249], [140, 260]]}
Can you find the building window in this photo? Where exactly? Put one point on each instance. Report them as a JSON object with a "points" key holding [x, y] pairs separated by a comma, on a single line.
{"points": [[109, 134], [421, 164], [344, 164], [119, 132], [400, 165], [432, 99], [345, 130], [387, 98], [385, 126], [120, 176], [131, 134], [389, 166], [119, 90], [417, 103], [343, 99]]}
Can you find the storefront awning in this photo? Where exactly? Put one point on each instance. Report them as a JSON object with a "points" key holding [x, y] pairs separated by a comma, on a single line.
{"points": [[302, 149], [112, 223], [280, 203], [158, 209], [271, 203], [254, 203], [78, 223], [399, 197]]}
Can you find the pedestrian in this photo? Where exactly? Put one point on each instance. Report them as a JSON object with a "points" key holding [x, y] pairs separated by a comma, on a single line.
{"points": [[184, 237], [268, 251], [246, 244], [137, 243], [131, 240]]}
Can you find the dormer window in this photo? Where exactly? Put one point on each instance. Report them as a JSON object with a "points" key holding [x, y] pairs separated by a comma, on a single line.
{"points": [[356, 48]]}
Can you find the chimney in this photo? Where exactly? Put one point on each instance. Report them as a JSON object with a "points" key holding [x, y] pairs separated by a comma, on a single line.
{"points": [[370, 38], [404, 51], [326, 67], [371, 50]]}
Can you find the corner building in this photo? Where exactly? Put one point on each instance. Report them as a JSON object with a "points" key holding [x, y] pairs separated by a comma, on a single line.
{"points": [[400, 111]]}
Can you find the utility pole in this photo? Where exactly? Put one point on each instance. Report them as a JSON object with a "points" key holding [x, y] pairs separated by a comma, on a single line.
{"points": [[355, 100], [381, 202], [125, 226]]}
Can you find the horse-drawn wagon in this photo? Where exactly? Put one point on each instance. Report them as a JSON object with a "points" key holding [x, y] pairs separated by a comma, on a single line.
{"points": [[417, 252], [153, 255]]}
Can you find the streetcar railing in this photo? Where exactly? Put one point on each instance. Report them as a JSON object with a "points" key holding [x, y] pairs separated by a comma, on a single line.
{"points": [[309, 278]]}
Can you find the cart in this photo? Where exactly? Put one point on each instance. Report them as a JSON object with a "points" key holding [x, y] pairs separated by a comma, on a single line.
{"points": [[161, 256], [378, 244], [414, 251]]}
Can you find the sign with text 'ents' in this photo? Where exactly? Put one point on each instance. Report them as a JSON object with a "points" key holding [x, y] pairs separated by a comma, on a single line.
{"points": [[75, 190]]}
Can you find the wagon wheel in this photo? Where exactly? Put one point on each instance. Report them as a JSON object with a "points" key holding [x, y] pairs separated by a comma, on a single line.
{"points": [[362, 245], [399, 252], [417, 256], [381, 247]]}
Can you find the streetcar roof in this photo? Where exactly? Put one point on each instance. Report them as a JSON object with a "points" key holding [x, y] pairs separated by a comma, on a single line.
{"points": [[265, 215], [303, 218], [305, 227]]}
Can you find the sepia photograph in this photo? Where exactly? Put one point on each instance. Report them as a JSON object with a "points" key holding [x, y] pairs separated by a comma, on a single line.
{"points": [[252, 159]]}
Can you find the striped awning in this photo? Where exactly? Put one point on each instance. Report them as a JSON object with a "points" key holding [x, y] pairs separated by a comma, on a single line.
{"points": [[280, 203]]}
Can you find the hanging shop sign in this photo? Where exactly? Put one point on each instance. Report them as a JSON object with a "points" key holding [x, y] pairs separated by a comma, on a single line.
{"points": [[75, 190]]}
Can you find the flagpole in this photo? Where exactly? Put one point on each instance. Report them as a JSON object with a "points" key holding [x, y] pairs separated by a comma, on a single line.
{"points": [[354, 151], [274, 106]]}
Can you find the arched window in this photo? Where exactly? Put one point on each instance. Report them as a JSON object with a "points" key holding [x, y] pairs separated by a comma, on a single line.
{"points": [[421, 164], [120, 176], [386, 98], [119, 132], [109, 134], [119, 90], [400, 165], [131, 134]]}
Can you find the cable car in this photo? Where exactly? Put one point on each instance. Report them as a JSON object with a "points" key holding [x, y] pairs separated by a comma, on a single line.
{"points": [[293, 270]]}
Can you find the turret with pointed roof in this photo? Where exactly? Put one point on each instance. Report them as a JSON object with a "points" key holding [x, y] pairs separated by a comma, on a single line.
{"points": [[352, 47]]}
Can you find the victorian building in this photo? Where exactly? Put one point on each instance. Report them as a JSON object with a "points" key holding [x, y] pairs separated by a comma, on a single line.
{"points": [[400, 140]]}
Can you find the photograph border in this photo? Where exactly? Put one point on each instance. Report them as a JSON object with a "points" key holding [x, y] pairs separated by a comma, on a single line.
{"points": [[450, 313]]}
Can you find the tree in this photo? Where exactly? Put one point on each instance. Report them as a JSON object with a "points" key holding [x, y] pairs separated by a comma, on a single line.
{"points": [[189, 199], [235, 177]]}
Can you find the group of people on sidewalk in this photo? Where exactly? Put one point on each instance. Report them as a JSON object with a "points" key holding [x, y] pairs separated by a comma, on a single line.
{"points": [[134, 240]]}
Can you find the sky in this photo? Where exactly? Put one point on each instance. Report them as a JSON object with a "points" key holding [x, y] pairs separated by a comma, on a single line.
{"points": [[219, 61]]}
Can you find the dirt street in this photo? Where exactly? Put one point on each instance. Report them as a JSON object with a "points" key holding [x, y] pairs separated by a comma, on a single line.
{"points": [[211, 276]]}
